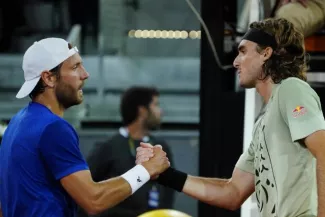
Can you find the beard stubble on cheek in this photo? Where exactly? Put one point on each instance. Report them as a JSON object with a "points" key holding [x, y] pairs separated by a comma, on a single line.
{"points": [[67, 96], [153, 122]]}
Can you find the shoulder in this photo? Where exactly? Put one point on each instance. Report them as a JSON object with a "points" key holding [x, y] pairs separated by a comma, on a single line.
{"points": [[295, 87], [60, 123], [110, 142], [60, 128], [294, 84], [105, 147], [114, 139], [157, 139]]}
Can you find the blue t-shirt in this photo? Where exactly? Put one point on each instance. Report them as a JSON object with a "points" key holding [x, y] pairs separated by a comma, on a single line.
{"points": [[38, 149]]}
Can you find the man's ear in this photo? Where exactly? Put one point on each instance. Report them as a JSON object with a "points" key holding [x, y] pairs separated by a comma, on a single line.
{"points": [[267, 53], [142, 111], [49, 79]]}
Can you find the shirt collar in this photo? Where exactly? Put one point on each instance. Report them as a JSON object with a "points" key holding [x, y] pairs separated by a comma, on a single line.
{"points": [[125, 133]]}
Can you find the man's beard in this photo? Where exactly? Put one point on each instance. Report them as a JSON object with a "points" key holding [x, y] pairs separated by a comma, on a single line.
{"points": [[153, 123], [154, 127], [67, 96]]}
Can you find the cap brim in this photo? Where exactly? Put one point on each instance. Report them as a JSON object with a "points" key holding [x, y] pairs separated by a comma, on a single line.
{"points": [[27, 88]]}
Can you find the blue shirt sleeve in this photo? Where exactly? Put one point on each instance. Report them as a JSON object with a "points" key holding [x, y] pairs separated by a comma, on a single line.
{"points": [[59, 147]]}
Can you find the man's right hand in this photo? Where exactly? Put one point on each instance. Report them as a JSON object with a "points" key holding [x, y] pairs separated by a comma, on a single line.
{"points": [[157, 162]]}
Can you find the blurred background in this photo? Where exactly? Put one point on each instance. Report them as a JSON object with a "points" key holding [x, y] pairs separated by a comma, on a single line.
{"points": [[207, 118]]}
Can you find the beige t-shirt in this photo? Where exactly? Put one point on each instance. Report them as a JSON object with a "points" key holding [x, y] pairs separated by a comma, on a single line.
{"points": [[284, 169]]}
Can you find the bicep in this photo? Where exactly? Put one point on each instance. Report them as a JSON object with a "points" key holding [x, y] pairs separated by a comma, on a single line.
{"points": [[243, 182], [60, 151], [79, 186], [315, 143], [301, 109], [243, 177]]}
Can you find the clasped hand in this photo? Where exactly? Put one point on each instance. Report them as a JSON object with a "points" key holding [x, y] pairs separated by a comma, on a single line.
{"points": [[153, 158]]}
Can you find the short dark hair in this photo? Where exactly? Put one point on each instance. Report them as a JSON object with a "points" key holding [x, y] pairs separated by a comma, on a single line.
{"points": [[289, 58], [40, 86], [132, 99]]}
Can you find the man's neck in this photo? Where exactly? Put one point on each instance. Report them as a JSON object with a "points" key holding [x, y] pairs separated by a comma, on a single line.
{"points": [[137, 130], [264, 88], [50, 102]]}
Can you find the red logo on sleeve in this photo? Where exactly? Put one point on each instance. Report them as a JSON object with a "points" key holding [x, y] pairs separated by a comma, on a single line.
{"points": [[299, 111]]}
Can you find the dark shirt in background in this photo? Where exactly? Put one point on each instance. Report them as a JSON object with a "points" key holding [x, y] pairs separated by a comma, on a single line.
{"points": [[114, 157]]}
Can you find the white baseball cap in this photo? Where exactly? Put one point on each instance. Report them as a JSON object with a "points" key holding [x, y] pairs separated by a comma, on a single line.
{"points": [[43, 55]]}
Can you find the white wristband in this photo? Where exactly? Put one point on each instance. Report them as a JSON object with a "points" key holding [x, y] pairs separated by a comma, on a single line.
{"points": [[136, 177]]}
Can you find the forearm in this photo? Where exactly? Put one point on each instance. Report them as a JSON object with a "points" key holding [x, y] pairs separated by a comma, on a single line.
{"points": [[321, 185], [216, 192], [115, 190], [95, 197], [110, 192]]}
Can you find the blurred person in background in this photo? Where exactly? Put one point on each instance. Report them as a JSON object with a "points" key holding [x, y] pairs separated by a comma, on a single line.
{"points": [[140, 113], [308, 16]]}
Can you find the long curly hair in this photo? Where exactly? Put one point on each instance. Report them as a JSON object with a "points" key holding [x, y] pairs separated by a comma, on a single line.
{"points": [[289, 58]]}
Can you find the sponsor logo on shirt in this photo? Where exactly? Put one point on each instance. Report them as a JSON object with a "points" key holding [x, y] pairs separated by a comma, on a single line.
{"points": [[299, 111]]}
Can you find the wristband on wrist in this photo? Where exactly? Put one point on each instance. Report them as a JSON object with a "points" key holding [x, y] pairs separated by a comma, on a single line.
{"points": [[173, 179], [136, 177]]}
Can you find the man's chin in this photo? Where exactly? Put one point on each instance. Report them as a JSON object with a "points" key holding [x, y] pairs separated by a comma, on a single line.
{"points": [[75, 103], [155, 128], [246, 85], [79, 101]]}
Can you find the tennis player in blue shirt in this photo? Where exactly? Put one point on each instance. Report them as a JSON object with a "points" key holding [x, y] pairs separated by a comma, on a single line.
{"points": [[42, 171]]}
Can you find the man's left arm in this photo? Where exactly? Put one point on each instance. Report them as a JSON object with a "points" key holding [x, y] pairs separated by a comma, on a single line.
{"points": [[316, 144], [301, 109]]}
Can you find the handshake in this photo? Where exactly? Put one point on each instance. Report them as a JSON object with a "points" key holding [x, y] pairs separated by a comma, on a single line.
{"points": [[153, 158]]}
